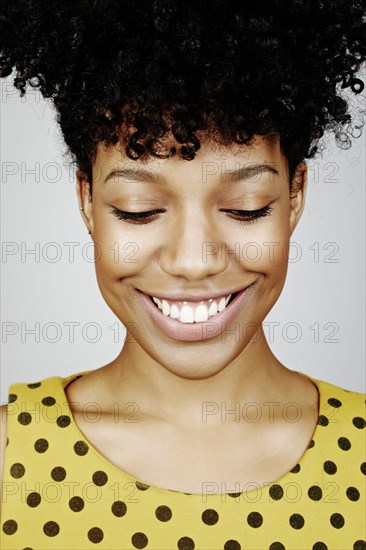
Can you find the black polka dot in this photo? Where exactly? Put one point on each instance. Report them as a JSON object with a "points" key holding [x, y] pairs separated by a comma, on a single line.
{"points": [[81, 448], [329, 467], [311, 444], [255, 519], [33, 499], [7, 441], [344, 443], [119, 508], [210, 517], [10, 527], [363, 468], [100, 478], [323, 420], [337, 520], [24, 418], [12, 397], [235, 495], [63, 421], [17, 470], [319, 546], [296, 469], [51, 528], [141, 486], [185, 543], [276, 492], [276, 546], [334, 402], [41, 445], [163, 513], [76, 504], [359, 545], [232, 545], [353, 493], [315, 492], [48, 401], [139, 540], [58, 473], [297, 521], [95, 535], [359, 422], [34, 385]]}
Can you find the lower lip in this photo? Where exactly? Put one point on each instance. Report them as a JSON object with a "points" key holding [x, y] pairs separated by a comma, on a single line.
{"points": [[205, 330]]}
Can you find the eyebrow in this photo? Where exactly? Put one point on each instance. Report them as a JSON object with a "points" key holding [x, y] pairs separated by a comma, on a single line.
{"points": [[229, 176]]}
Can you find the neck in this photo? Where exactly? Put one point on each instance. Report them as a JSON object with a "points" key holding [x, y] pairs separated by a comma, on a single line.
{"points": [[254, 376]]}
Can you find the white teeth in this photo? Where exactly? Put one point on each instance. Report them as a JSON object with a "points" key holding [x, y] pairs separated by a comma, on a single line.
{"points": [[213, 308], [166, 307], [187, 314], [157, 301], [174, 312], [222, 304], [201, 314]]}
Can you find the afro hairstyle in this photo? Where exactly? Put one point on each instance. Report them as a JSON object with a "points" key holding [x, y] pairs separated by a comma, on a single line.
{"points": [[131, 72]]}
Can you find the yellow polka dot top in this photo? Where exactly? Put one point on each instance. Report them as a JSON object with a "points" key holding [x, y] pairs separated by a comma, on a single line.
{"points": [[60, 492]]}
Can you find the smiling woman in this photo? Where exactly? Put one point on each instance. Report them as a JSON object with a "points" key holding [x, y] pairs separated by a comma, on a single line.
{"points": [[189, 124]]}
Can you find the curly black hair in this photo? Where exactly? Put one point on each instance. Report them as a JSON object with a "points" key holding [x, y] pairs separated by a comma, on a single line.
{"points": [[134, 71]]}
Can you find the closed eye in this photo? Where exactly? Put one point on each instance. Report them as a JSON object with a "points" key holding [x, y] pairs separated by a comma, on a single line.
{"points": [[249, 216], [143, 218]]}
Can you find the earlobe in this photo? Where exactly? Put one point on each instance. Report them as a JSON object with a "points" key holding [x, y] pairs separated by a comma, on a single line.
{"points": [[297, 202], [84, 200]]}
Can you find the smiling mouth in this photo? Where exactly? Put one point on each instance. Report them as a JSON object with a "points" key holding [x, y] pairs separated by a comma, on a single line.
{"points": [[185, 313]]}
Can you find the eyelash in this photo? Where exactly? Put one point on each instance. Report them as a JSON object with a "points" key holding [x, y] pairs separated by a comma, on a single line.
{"points": [[250, 215]]}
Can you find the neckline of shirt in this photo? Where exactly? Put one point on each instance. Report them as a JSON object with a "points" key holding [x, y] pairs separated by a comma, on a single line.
{"points": [[305, 457]]}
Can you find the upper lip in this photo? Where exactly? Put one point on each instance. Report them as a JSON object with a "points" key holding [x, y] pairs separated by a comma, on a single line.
{"points": [[195, 297]]}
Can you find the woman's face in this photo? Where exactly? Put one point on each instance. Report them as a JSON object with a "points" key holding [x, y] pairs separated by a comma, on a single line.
{"points": [[194, 245]]}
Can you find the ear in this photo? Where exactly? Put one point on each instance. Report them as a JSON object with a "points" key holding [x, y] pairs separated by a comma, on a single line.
{"points": [[299, 186], [84, 200]]}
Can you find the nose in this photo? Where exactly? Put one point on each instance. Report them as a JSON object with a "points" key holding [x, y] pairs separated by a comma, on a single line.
{"points": [[193, 249]]}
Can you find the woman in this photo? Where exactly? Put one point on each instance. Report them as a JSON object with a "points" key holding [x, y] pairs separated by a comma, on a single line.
{"points": [[189, 125]]}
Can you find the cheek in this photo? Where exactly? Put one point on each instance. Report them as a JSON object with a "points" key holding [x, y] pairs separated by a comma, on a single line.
{"points": [[121, 250], [263, 246]]}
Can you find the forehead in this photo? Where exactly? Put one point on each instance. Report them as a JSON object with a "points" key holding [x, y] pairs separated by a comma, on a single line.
{"points": [[213, 158]]}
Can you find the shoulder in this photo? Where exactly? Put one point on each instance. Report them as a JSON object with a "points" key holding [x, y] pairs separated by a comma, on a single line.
{"points": [[348, 401], [3, 434], [3, 439], [343, 414]]}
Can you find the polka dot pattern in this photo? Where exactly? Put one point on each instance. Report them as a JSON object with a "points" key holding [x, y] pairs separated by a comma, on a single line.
{"points": [[41, 445], [81, 448], [210, 517], [17, 470], [139, 540], [51, 529], [232, 545], [58, 473], [76, 504], [316, 505], [33, 499], [100, 478], [95, 534], [164, 513]]}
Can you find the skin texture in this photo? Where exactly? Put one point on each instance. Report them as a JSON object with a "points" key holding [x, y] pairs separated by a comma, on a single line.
{"points": [[168, 381]]}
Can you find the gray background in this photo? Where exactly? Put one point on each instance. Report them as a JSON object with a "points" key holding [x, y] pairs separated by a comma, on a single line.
{"points": [[317, 326]]}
